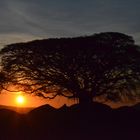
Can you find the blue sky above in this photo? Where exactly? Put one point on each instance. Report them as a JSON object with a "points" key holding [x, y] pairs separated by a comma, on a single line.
{"points": [[23, 20]]}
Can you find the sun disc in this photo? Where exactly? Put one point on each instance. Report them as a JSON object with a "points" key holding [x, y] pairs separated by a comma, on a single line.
{"points": [[20, 99]]}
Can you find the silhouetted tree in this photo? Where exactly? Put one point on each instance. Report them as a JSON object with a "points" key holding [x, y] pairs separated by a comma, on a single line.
{"points": [[105, 64]]}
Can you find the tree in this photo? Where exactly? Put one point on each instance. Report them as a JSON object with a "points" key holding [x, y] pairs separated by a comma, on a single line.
{"points": [[105, 64]]}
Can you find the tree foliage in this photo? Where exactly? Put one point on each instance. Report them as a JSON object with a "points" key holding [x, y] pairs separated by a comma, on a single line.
{"points": [[105, 64]]}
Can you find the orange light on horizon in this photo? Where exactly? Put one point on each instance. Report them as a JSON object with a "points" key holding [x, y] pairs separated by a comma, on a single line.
{"points": [[23, 99]]}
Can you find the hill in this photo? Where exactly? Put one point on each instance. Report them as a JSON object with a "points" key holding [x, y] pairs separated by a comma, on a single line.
{"points": [[98, 121], [21, 110], [95, 122]]}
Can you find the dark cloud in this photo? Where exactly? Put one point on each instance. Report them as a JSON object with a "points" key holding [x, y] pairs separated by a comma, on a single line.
{"points": [[55, 18]]}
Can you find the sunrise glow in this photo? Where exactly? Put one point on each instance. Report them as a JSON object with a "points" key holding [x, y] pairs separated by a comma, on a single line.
{"points": [[20, 100]]}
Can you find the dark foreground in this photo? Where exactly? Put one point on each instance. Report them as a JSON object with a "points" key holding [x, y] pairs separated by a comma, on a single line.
{"points": [[97, 122]]}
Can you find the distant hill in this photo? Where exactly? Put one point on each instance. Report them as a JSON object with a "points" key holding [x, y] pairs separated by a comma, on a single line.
{"points": [[98, 121], [22, 110]]}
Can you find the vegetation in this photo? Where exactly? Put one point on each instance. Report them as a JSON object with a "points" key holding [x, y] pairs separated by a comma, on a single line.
{"points": [[105, 64]]}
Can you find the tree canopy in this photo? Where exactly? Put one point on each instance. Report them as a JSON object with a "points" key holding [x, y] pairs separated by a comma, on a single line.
{"points": [[104, 64]]}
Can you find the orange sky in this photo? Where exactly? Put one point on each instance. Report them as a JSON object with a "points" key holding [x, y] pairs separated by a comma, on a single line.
{"points": [[9, 99]]}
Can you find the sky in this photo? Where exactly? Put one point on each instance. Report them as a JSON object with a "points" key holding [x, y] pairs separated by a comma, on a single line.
{"points": [[24, 20], [10, 99]]}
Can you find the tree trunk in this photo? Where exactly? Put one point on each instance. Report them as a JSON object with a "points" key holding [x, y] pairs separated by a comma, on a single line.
{"points": [[85, 98]]}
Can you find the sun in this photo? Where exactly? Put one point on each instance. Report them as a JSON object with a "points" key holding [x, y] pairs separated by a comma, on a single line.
{"points": [[20, 100]]}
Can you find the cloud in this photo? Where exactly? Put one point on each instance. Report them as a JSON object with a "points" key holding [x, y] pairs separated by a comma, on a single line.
{"points": [[44, 18]]}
